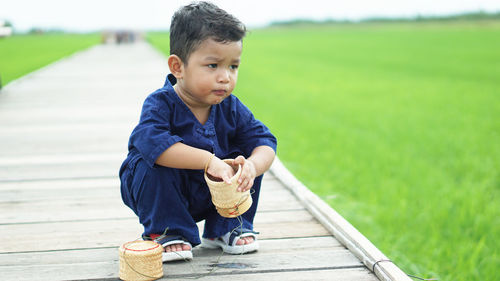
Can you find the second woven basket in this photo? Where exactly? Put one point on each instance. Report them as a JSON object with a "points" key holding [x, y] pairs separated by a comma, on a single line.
{"points": [[228, 201], [141, 261]]}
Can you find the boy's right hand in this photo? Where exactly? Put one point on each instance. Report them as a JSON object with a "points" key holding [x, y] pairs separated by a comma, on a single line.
{"points": [[219, 169]]}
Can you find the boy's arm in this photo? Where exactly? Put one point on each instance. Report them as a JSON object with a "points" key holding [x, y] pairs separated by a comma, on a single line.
{"points": [[262, 157], [182, 156]]}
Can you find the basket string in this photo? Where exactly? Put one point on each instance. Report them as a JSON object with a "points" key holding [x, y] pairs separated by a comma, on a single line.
{"points": [[242, 199], [237, 205], [214, 268]]}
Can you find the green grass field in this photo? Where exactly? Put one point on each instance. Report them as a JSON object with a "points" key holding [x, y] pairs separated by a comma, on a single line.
{"points": [[21, 54], [396, 126]]}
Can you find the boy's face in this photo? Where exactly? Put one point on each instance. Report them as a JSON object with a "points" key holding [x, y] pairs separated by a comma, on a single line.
{"points": [[211, 72]]}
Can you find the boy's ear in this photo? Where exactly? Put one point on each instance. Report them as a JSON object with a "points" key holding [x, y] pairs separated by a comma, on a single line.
{"points": [[176, 66]]}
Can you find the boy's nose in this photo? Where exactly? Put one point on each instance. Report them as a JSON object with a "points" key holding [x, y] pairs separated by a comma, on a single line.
{"points": [[223, 76]]}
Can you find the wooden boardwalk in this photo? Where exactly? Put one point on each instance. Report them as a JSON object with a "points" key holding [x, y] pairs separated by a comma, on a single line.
{"points": [[64, 132]]}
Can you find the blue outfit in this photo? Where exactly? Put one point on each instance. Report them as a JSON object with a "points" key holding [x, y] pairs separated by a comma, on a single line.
{"points": [[176, 198]]}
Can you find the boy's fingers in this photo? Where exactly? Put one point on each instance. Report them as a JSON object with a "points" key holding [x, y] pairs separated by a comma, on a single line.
{"points": [[226, 178], [249, 185], [240, 183], [244, 185], [243, 176], [239, 160], [241, 180]]}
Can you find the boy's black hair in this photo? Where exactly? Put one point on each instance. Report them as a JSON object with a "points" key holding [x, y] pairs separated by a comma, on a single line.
{"points": [[194, 23]]}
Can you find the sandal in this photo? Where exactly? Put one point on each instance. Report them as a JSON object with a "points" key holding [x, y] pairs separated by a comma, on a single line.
{"points": [[228, 242], [167, 240]]}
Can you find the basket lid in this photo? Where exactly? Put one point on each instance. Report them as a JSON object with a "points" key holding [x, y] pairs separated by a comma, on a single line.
{"points": [[140, 246]]}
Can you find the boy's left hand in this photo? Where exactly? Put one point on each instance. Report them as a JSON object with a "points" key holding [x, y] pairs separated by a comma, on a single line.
{"points": [[248, 173]]}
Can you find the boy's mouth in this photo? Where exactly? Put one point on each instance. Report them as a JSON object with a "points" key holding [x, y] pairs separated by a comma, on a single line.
{"points": [[219, 92]]}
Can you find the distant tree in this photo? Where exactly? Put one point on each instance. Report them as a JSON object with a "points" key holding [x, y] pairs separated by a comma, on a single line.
{"points": [[36, 30], [472, 16]]}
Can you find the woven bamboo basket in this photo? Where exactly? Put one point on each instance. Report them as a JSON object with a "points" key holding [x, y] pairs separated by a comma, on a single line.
{"points": [[229, 202], [141, 261]]}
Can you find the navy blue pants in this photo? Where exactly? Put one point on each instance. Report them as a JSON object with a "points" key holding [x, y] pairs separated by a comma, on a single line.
{"points": [[165, 197]]}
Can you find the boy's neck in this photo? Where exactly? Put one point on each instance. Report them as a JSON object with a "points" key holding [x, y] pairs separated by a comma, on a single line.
{"points": [[201, 112]]}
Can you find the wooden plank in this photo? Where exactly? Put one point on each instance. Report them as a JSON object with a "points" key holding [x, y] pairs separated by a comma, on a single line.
{"points": [[60, 184], [73, 210], [42, 167], [31, 191], [76, 209], [68, 235], [341, 274], [41, 196], [51, 121], [73, 130], [359, 245], [87, 199], [283, 216], [60, 159], [26, 147], [45, 205], [70, 137], [270, 183], [63, 171], [107, 271], [277, 199], [278, 260], [109, 233], [111, 253], [56, 165], [92, 209], [275, 255], [289, 230]]}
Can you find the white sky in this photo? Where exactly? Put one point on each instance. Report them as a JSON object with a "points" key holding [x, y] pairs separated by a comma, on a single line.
{"points": [[85, 15]]}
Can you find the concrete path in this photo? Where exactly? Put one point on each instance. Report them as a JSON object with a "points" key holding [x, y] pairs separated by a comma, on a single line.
{"points": [[64, 132]]}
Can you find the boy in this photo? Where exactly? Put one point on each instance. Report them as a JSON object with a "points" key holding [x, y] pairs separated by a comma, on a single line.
{"points": [[182, 126]]}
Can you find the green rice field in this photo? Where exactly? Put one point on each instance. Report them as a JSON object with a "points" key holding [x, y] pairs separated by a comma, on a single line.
{"points": [[21, 54], [396, 126]]}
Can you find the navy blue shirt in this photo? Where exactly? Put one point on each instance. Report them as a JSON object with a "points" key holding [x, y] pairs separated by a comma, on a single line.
{"points": [[230, 130]]}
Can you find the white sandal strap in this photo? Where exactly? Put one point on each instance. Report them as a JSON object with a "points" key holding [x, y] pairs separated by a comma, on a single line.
{"points": [[226, 238], [172, 242]]}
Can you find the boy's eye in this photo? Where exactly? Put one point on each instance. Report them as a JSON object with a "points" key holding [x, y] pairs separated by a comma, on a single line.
{"points": [[234, 66], [212, 65]]}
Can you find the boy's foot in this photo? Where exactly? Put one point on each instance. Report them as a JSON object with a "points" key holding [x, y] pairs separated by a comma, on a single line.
{"points": [[175, 247], [245, 240], [239, 241]]}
